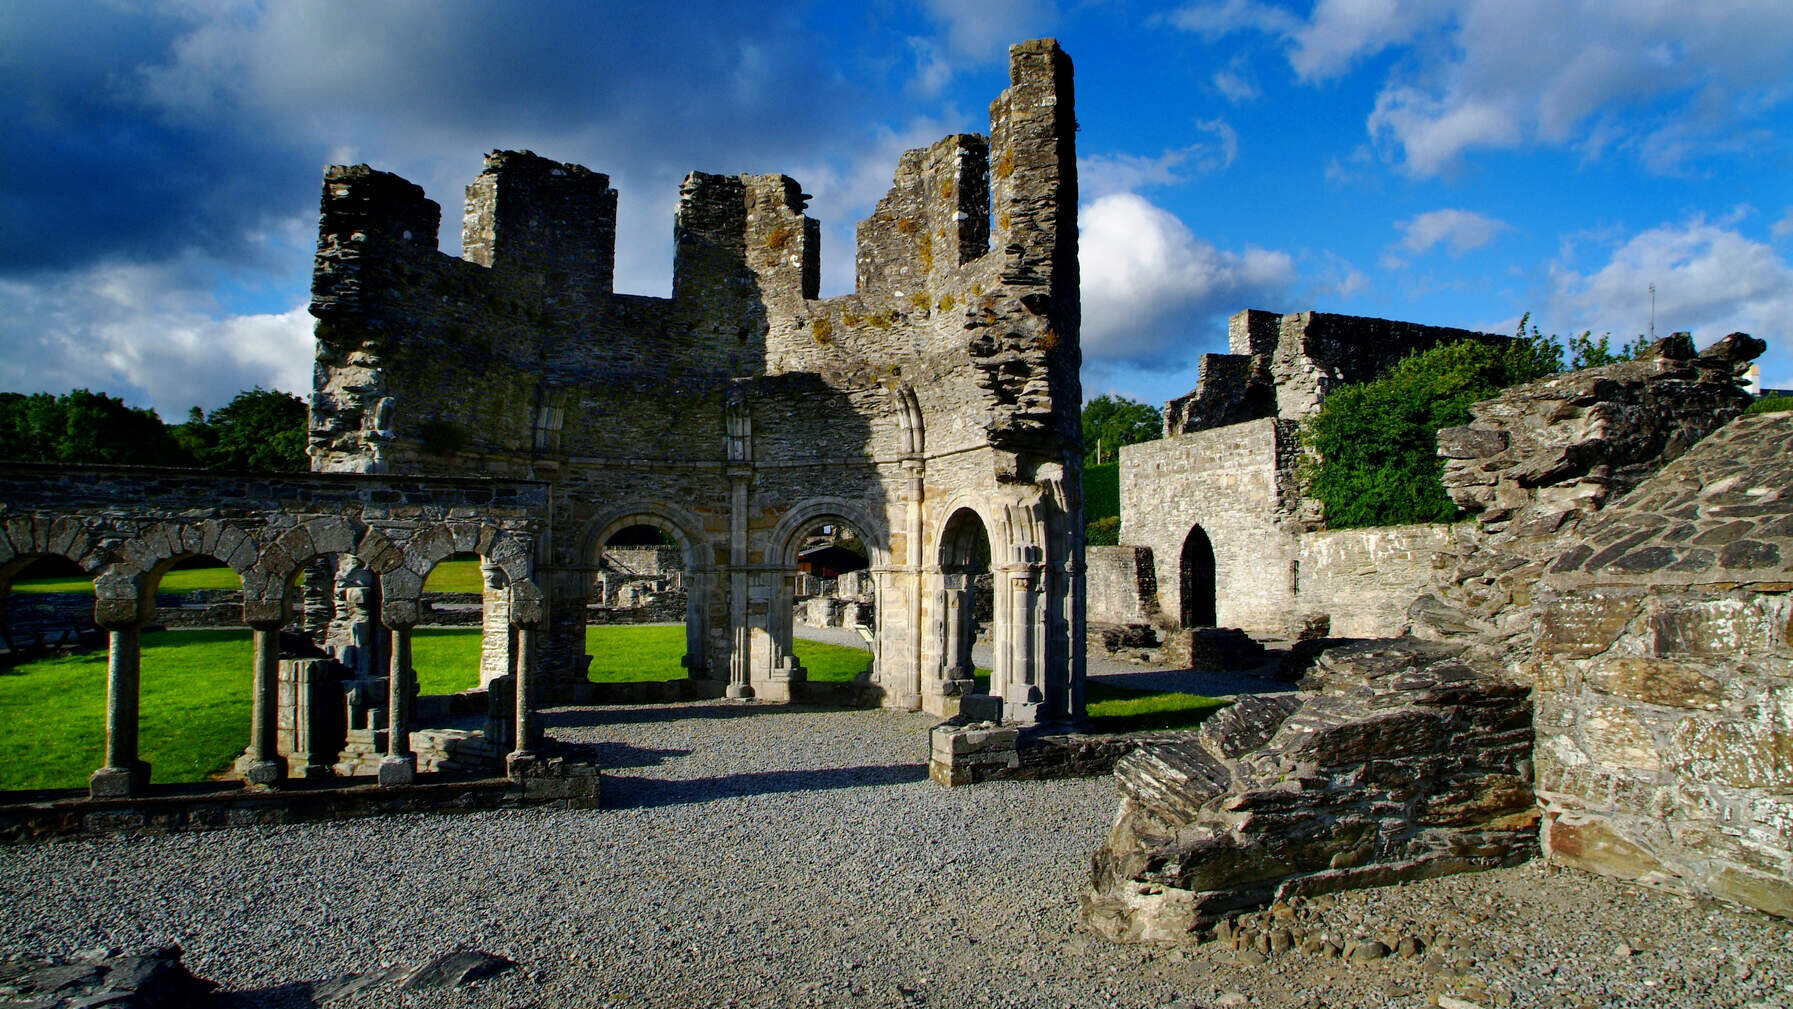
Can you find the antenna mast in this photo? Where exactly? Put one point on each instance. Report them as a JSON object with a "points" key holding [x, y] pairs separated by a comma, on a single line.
{"points": [[1652, 313]]}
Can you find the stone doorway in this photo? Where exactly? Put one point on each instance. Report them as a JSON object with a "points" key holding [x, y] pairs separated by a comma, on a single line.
{"points": [[1196, 590]]}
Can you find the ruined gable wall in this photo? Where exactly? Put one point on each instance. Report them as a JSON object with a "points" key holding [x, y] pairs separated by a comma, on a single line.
{"points": [[1317, 352], [1232, 482]]}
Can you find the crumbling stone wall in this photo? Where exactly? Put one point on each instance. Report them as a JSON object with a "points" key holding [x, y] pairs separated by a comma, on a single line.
{"points": [[1662, 665], [1284, 365], [1655, 628], [744, 409], [1539, 459]]}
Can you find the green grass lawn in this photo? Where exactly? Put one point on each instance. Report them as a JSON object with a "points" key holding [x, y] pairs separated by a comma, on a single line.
{"points": [[1117, 709], [447, 658], [448, 576], [455, 576], [195, 711], [175, 582], [196, 697]]}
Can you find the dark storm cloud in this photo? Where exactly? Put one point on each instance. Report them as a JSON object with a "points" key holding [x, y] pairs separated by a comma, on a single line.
{"points": [[140, 133]]}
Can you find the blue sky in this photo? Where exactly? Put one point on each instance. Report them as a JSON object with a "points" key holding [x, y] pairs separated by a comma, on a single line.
{"points": [[1456, 162]]}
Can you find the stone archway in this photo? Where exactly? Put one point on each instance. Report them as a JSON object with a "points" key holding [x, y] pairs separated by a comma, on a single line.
{"points": [[967, 597], [1196, 576]]}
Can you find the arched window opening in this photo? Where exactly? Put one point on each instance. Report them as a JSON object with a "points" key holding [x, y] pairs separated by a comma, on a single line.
{"points": [[638, 614], [968, 602]]}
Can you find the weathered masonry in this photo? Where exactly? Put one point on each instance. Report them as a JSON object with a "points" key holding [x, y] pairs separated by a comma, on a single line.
{"points": [[934, 411], [510, 406], [1233, 541], [128, 527]]}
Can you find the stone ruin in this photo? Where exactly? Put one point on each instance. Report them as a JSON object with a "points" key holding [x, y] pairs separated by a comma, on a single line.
{"points": [[1599, 674], [1215, 530], [934, 413], [1596, 668], [940, 400]]}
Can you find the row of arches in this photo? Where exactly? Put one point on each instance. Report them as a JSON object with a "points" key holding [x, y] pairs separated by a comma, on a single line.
{"points": [[271, 558]]}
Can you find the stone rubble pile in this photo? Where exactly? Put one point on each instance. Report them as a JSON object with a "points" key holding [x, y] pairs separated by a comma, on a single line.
{"points": [[104, 977], [1401, 761]]}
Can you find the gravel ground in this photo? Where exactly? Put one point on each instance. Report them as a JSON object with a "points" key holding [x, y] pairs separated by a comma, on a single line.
{"points": [[756, 855]]}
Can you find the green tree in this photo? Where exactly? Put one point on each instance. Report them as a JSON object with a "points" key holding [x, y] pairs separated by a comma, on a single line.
{"points": [[83, 427], [259, 430], [1112, 421], [1586, 352], [1374, 445]]}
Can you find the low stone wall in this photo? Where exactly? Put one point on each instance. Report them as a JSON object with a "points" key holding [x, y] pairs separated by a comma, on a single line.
{"points": [[560, 782], [967, 752], [1365, 580], [1407, 762], [1121, 585]]}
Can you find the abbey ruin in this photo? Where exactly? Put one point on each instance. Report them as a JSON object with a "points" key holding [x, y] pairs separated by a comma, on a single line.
{"points": [[1592, 668]]}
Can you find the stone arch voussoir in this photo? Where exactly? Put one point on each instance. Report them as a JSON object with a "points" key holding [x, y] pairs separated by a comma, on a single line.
{"points": [[677, 522], [783, 538]]}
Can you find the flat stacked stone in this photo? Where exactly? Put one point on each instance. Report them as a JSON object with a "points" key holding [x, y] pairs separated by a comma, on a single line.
{"points": [[1405, 761], [1664, 671]]}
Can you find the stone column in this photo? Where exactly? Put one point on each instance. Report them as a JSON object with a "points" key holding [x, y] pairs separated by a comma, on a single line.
{"points": [[123, 774], [261, 764], [740, 634], [1022, 695], [399, 766], [528, 657], [915, 468]]}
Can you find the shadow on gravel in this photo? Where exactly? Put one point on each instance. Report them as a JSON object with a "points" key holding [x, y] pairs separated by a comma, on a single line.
{"points": [[608, 755], [584, 717], [285, 996], [623, 792]]}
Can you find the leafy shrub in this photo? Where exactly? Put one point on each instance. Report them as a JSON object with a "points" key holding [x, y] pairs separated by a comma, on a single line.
{"points": [[1103, 532], [1112, 421], [1102, 491], [1771, 404], [1374, 445]]}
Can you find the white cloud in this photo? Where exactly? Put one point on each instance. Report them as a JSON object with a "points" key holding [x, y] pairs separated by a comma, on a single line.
{"points": [[1710, 280], [1784, 227], [1458, 230], [1669, 80], [1235, 83], [974, 34], [1154, 292], [1102, 174], [1215, 20], [140, 333]]}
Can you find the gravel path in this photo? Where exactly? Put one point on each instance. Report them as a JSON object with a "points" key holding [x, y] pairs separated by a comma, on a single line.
{"points": [[756, 855]]}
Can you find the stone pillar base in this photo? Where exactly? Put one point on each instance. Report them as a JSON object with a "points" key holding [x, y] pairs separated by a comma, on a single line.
{"points": [[907, 702], [739, 691], [260, 773], [398, 770], [981, 708], [118, 782]]}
